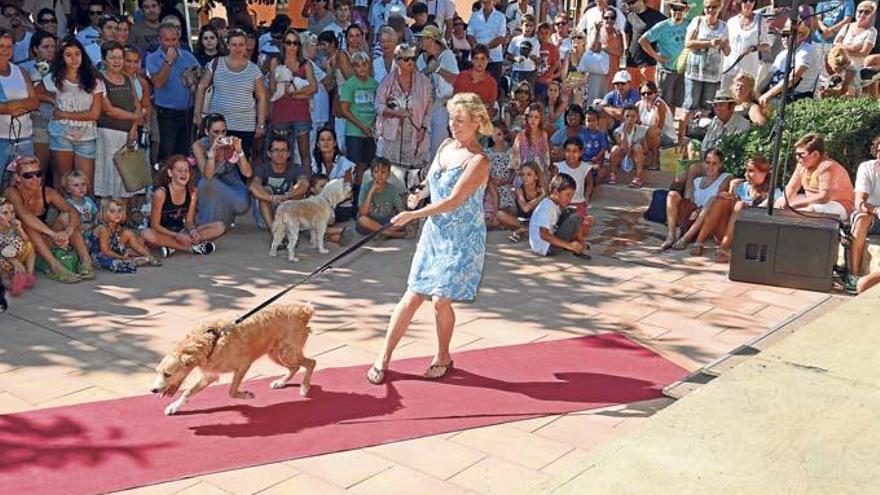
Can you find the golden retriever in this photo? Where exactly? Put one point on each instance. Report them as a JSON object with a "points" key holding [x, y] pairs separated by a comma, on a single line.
{"points": [[312, 213], [280, 331]]}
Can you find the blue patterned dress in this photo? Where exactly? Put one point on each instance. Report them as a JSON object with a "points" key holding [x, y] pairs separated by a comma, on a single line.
{"points": [[449, 258]]}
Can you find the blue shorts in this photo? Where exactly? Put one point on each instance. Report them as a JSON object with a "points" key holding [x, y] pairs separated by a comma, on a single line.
{"points": [[360, 149], [86, 149]]}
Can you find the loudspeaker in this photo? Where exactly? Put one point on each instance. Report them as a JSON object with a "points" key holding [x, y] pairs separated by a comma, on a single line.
{"points": [[784, 249]]}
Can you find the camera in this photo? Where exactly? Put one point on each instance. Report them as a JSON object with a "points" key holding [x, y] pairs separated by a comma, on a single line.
{"points": [[391, 104], [835, 82], [225, 141]]}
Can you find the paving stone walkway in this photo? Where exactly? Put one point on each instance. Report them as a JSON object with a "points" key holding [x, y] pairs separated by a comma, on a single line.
{"points": [[100, 340]]}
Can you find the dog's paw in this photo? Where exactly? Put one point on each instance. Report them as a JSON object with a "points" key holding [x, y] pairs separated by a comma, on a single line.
{"points": [[304, 390], [172, 409], [279, 383], [244, 394]]}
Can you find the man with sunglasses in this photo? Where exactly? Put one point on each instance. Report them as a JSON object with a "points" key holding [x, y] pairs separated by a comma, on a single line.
{"points": [[593, 17], [47, 21], [664, 42], [805, 72], [561, 37], [20, 34], [173, 100], [59, 9], [89, 33]]}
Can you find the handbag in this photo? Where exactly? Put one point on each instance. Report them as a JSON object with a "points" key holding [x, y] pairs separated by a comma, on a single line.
{"points": [[681, 63], [656, 212], [131, 164], [209, 91], [594, 62]]}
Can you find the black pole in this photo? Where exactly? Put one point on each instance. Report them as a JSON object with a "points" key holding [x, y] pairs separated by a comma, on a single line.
{"points": [[779, 127]]}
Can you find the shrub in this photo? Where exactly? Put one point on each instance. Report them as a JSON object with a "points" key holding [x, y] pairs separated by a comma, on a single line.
{"points": [[847, 124]]}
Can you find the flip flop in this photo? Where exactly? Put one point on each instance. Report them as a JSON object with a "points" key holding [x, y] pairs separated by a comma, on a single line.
{"points": [[375, 375], [64, 277], [87, 273], [444, 371]]}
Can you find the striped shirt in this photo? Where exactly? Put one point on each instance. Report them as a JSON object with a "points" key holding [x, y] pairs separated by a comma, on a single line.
{"points": [[234, 96]]}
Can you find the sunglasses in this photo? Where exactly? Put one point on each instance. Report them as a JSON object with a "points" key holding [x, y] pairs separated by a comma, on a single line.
{"points": [[748, 1], [96, 12], [607, 18], [521, 92], [31, 175], [785, 34], [618, 83], [864, 12], [292, 43], [562, 23], [47, 20], [802, 154], [577, 37], [406, 59]]}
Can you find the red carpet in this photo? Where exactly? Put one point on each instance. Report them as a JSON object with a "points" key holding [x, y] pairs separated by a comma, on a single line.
{"points": [[123, 443]]}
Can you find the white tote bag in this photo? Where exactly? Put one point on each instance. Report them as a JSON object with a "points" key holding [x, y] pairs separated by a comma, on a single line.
{"points": [[594, 62]]}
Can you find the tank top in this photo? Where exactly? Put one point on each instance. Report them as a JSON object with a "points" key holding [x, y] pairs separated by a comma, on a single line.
{"points": [[174, 216], [287, 109], [14, 88], [121, 96], [703, 195]]}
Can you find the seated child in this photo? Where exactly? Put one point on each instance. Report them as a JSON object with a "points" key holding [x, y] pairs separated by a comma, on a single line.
{"points": [[173, 213], [17, 255], [529, 194], [119, 249], [379, 201], [583, 174], [629, 150], [594, 140], [76, 184], [552, 228]]}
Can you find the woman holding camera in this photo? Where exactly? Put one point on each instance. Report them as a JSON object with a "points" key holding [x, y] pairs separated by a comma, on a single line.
{"points": [[222, 163], [402, 103]]}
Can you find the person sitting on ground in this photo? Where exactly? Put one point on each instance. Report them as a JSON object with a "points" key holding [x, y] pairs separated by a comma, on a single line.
{"points": [[76, 184], [529, 194], [622, 95], [552, 228], [630, 150], [655, 113], [276, 182], [689, 210], [380, 200], [17, 256], [173, 224], [119, 249], [826, 184], [501, 180], [865, 212], [594, 141], [723, 211], [33, 203], [844, 77], [747, 106], [222, 164]]}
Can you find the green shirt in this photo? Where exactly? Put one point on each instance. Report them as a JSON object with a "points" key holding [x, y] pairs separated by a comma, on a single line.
{"points": [[383, 205], [361, 96]]}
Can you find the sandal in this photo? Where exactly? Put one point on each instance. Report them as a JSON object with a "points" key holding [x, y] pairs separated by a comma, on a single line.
{"points": [[65, 277], [87, 272], [375, 375], [439, 371], [636, 183], [514, 238]]}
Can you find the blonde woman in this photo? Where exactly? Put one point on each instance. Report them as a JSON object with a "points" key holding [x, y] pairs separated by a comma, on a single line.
{"points": [[448, 263], [858, 37]]}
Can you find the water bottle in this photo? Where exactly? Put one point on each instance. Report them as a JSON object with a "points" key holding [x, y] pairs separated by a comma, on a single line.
{"points": [[628, 164]]}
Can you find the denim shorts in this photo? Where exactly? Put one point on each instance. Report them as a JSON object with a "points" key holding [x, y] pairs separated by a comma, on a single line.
{"points": [[699, 94], [87, 148]]}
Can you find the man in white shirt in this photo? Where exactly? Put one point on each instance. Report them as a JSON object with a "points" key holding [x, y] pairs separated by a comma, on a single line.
{"points": [[343, 20], [61, 8], [562, 38], [805, 72], [867, 209], [515, 13], [381, 10], [487, 26], [440, 13]]}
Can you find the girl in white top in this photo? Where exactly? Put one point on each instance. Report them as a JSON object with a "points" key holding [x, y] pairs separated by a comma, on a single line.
{"points": [[19, 100], [748, 35], [858, 37], [702, 192]]}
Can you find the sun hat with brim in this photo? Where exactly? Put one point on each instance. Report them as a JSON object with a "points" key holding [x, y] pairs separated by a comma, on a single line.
{"points": [[680, 3], [723, 97], [431, 32]]}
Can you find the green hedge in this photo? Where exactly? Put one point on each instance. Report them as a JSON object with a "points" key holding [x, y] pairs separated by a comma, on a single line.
{"points": [[847, 124]]}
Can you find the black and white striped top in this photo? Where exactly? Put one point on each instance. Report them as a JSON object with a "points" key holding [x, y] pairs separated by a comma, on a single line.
{"points": [[233, 95]]}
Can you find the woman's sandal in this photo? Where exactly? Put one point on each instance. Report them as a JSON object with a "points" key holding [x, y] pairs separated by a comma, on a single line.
{"points": [[376, 376], [636, 183], [65, 277], [439, 371], [87, 272], [514, 238]]}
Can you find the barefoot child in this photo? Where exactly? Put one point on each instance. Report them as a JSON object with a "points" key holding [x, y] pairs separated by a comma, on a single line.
{"points": [[629, 150], [17, 255], [552, 229], [173, 213], [119, 249], [500, 188], [528, 195], [379, 201]]}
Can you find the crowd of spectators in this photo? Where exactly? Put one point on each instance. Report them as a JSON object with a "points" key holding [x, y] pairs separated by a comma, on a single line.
{"points": [[243, 119]]}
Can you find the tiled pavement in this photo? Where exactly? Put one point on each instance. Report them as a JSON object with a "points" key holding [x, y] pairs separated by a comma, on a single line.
{"points": [[100, 340]]}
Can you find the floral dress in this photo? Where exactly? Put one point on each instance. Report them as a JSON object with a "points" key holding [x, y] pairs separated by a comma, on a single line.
{"points": [[499, 170], [449, 257]]}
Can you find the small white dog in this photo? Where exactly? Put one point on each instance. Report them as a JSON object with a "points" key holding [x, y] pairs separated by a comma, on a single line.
{"points": [[312, 213]]}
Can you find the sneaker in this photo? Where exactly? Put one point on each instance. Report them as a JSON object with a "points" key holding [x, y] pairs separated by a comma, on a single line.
{"points": [[166, 251], [852, 285], [202, 248]]}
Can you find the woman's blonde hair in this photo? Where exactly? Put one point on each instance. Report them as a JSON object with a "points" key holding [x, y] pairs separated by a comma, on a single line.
{"points": [[868, 3], [474, 106], [838, 57]]}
